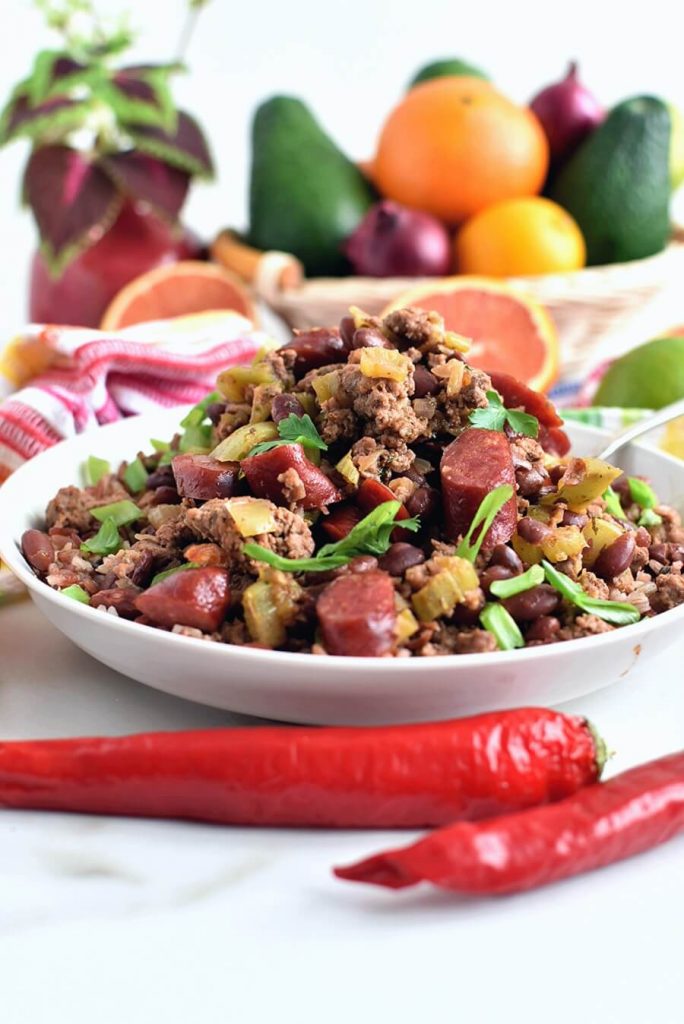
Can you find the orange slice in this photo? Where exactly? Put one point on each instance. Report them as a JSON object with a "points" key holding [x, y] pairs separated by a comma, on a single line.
{"points": [[178, 289], [511, 332]]}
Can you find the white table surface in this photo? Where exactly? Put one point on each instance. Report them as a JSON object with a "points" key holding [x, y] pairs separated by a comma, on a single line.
{"points": [[113, 921]]}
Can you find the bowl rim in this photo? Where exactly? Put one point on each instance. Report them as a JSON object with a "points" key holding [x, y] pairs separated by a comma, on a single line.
{"points": [[11, 554]]}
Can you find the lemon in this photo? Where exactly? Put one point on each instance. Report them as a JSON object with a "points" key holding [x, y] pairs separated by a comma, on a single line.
{"points": [[672, 440], [676, 146], [648, 377]]}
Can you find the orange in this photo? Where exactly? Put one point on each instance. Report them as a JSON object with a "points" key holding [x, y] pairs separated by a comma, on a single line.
{"points": [[190, 286], [520, 236], [510, 332], [453, 146]]}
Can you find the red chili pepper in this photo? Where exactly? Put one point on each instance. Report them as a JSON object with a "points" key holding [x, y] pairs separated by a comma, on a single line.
{"points": [[396, 776], [595, 827]]}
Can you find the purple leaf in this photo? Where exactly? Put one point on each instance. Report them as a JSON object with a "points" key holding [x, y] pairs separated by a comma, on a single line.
{"points": [[56, 115], [144, 177], [186, 148], [140, 96], [73, 201]]}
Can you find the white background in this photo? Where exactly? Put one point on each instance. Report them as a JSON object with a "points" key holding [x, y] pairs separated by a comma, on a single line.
{"points": [[350, 61]]}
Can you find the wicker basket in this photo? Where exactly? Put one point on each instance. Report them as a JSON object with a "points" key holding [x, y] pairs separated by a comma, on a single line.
{"points": [[589, 307]]}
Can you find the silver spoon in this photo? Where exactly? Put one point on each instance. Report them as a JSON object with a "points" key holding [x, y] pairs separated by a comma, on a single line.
{"points": [[656, 419]]}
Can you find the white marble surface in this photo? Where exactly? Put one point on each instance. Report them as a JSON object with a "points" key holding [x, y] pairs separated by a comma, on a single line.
{"points": [[131, 921]]}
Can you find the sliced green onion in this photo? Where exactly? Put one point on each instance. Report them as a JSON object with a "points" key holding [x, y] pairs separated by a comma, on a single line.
{"points": [[484, 517], [172, 572], [196, 438], [94, 469], [503, 627], [642, 493], [618, 613], [76, 593], [122, 512], [613, 504], [160, 446], [135, 476], [518, 584], [105, 542], [649, 517]]}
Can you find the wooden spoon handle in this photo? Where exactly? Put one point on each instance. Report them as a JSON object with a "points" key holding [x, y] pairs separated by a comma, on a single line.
{"points": [[267, 272]]}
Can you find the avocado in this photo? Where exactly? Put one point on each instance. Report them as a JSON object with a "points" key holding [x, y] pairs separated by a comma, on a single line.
{"points": [[617, 184], [449, 66], [305, 195]]}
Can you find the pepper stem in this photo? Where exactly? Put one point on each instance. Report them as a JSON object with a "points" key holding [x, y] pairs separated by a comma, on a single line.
{"points": [[601, 752]]}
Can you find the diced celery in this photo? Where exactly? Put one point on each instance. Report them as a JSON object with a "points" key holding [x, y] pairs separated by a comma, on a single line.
{"points": [[385, 363], [261, 402], [135, 476], [596, 478], [94, 469], [563, 542], [239, 444], [307, 402], [261, 615], [529, 553], [456, 342], [122, 512], [406, 625], [346, 468], [599, 534], [326, 386], [233, 383], [76, 593], [286, 593], [252, 516], [446, 589]]}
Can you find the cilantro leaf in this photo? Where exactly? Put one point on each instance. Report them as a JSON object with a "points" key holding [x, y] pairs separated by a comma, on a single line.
{"points": [[294, 429], [484, 517], [496, 415], [503, 627], [518, 584], [372, 536], [619, 613]]}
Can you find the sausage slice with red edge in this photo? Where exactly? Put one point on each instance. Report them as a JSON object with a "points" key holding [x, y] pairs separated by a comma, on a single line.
{"points": [[472, 466], [265, 472], [357, 615], [190, 597], [202, 477]]}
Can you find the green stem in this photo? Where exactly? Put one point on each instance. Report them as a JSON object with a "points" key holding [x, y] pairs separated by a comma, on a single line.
{"points": [[601, 752]]}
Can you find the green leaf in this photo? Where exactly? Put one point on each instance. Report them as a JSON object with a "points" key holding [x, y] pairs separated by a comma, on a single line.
{"points": [[137, 101], [518, 584], [197, 433], [484, 517], [160, 446], [503, 627], [47, 123], [41, 76], [172, 572], [135, 476], [105, 542], [185, 148], [618, 613], [642, 493], [613, 504], [76, 593], [649, 518], [122, 512], [294, 429], [372, 536], [495, 416], [93, 469]]}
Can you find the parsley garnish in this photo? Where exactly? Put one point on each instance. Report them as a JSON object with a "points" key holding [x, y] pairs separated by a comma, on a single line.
{"points": [[197, 429], [518, 584], [484, 517], [503, 627], [619, 613], [294, 429], [372, 536], [495, 417]]}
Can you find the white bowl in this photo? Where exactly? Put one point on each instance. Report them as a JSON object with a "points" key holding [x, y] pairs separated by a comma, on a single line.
{"points": [[324, 690]]}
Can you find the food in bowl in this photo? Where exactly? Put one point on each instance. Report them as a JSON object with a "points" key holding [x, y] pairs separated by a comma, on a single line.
{"points": [[364, 491]]}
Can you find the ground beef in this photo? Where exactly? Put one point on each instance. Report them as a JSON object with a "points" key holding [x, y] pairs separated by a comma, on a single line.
{"points": [[585, 625], [456, 411], [383, 406], [593, 586], [337, 423], [236, 414], [528, 461], [294, 490], [669, 591], [71, 506], [376, 461], [213, 521], [452, 640], [415, 327], [281, 363]]}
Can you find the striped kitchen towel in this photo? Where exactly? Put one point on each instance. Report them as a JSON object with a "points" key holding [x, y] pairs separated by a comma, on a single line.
{"points": [[60, 381]]}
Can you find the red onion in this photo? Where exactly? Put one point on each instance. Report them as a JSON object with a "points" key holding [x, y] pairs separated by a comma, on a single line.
{"points": [[568, 113], [393, 241]]}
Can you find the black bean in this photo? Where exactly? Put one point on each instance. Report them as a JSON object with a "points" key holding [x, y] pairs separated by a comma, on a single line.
{"points": [[503, 555], [530, 604], [615, 558], [425, 382], [532, 530], [283, 406], [530, 481], [545, 628], [162, 477], [38, 550], [370, 337], [493, 573], [399, 557]]}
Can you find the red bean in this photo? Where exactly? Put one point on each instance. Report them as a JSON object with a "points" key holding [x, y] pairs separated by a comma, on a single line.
{"points": [[363, 563], [38, 550], [166, 496], [532, 530], [530, 481], [425, 382], [315, 348], [399, 557], [503, 555], [543, 629], [615, 558], [347, 328], [162, 477], [493, 573], [283, 406], [215, 411], [530, 604], [424, 502], [574, 519], [659, 553], [141, 574], [370, 337], [642, 537]]}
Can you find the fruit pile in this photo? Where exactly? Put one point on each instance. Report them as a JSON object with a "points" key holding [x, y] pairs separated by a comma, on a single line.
{"points": [[464, 180]]}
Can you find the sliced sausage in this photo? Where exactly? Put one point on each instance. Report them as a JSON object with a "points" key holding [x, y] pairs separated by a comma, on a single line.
{"points": [[265, 476], [554, 440], [190, 597], [372, 493], [341, 521], [517, 395], [471, 467], [202, 477], [357, 615]]}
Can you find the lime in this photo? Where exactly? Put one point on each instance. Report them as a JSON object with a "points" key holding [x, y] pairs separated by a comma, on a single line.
{"points": [[648, 377], [673, 438], [450, 66], [676, 146]]}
